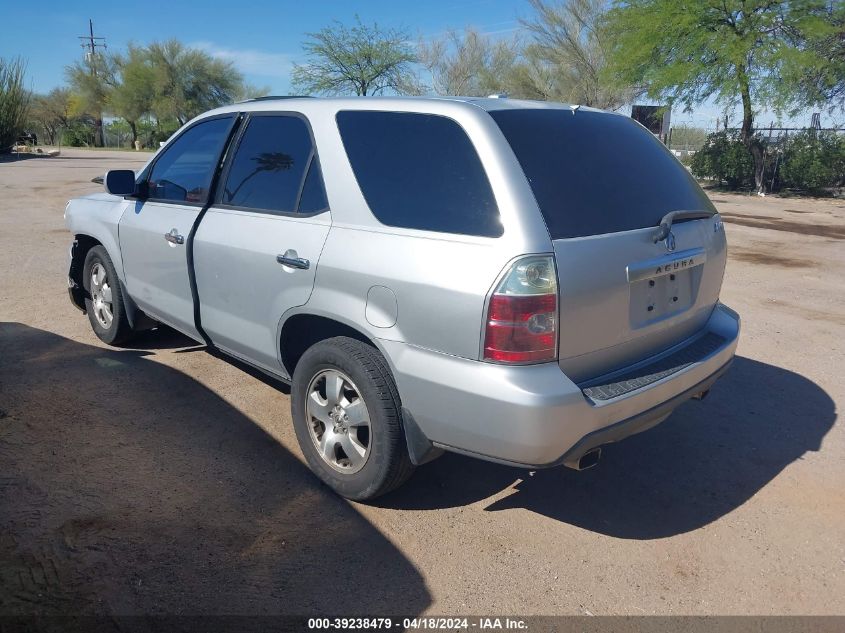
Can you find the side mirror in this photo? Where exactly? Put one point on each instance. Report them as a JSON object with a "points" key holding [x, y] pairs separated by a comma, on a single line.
{"points": [[120, 182]]}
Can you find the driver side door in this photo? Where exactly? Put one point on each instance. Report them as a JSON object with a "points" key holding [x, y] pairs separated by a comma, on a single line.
{"points": [[154, 232]]}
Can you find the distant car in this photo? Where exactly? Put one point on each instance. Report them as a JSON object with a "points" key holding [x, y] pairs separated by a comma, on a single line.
{"points": [[516, 281], [28, 138]]}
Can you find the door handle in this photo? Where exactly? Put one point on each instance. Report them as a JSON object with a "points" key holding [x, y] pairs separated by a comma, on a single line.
{"points": [[173, 237], [293, 262]]}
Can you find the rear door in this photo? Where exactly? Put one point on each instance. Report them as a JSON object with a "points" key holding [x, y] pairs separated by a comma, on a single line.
{"points": [[154, 231], [256, 249], [603, 183]]}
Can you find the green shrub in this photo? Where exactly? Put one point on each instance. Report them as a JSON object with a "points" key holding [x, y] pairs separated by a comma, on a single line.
{"points": [[724, 158], [14, 102], [79, 133], [164, 132], [812, 161]]}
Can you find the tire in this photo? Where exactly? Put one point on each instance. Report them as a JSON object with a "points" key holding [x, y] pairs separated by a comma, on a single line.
{"points": [[115, 330], [364, 374]]}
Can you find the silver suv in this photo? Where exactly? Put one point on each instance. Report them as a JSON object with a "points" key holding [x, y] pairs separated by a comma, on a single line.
{"points": [[516, 281]]}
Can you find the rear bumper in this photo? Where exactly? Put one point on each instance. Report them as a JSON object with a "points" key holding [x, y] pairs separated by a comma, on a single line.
{"points": [[640, 422], [535, 415]]}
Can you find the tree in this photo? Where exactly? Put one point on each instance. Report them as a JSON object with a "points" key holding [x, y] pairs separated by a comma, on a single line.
{"points": [[248, 91], [266, 161], [15, 100], [474, 65], [52, 112], [188, 81], [362, 60], [730, 50], [462, 63], [571, 44], [92, 81], [817, 71], [132, 94]]}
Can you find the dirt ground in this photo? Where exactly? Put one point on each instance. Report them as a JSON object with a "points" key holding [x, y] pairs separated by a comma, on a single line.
{"points": [[163, 479]]}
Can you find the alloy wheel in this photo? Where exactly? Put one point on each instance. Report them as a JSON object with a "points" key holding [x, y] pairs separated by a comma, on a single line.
{"points": [[338, 421], [101, 296]]}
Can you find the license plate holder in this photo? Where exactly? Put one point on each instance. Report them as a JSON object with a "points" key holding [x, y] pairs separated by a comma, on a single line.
{"points": [[664, 286]]}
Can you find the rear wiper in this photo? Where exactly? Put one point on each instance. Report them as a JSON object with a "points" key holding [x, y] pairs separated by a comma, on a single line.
{"points": [[666, 223]]}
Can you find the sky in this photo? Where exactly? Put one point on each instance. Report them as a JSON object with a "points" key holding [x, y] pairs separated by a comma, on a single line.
{"points": [[262, 38]]}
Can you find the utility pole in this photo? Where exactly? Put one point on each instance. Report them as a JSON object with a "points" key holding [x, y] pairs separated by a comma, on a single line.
{"points": [[90, 44]]}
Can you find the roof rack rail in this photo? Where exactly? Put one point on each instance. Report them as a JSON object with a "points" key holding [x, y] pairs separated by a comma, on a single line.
{"points": [[273, 97]]}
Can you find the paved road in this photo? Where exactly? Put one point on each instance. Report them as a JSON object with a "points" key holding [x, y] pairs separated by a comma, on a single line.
{"points": [[163, 479]]}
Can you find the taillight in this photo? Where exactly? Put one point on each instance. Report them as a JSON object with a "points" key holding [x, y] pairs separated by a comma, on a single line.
{"points": [[521, 322]]}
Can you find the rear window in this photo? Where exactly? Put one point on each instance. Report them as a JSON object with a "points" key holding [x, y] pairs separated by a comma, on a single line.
{"points": [[595, 173], [419, 171]]}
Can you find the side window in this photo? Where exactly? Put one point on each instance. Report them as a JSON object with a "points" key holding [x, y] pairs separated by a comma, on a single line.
{"points": [[313, 197], [183, 172], [419, 171], [274, 166]]}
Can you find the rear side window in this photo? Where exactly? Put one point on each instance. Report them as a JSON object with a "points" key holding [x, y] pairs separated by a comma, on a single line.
{"points": [[419, 171], [313, 198], [595, 173], [183, 171], [274, 166]]}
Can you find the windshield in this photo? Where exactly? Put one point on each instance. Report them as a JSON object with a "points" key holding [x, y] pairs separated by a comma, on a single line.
{"points": [[594, 173]]}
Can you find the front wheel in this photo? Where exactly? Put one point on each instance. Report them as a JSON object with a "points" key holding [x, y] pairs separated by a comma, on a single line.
{"points": [[104, 298], [348, 419]]}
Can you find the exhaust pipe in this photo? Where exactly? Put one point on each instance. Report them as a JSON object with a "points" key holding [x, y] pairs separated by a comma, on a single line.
{"points": [[702, 395], [585, 461]]}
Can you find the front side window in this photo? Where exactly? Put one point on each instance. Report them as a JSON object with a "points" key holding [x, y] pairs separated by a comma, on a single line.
{"points": [[184, 170], [274, 168], [419, 171]]}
